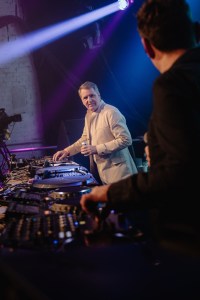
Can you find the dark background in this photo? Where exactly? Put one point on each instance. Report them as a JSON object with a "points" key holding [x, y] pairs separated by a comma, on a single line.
{"points": [[119, 66], [124, 75]]}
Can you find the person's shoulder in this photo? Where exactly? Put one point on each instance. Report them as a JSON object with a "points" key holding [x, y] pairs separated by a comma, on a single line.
{"points": [[170, 78], [175, 78], [164, 84], [110, 108], [112, 113]]}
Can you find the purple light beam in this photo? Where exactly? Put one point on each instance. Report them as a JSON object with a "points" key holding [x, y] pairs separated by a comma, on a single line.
{"points": [[30, 42]]}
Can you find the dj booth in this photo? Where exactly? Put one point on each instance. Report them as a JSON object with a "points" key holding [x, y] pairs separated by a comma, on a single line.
{"points": [[49, 246], [51, 249]]}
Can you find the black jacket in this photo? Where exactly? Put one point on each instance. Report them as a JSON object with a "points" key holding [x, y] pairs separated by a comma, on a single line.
{"points": [[172, 184]]}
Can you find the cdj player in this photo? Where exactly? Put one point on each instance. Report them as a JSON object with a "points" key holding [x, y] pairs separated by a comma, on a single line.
{"points": [[62, 174], [45, 212]]}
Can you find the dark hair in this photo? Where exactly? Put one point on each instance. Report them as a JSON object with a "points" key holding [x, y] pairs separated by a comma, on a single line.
{"points": [[167, 24]]}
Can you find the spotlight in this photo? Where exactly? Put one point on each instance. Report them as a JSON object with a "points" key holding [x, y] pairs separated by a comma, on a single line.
{"points": [[35, 40], [123, 4]]}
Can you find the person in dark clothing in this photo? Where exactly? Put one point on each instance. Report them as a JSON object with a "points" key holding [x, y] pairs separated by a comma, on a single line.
{"points": [[170, 188]]}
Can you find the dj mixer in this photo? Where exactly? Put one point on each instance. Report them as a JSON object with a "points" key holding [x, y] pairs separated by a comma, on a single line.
{"points": [[45, 212]]}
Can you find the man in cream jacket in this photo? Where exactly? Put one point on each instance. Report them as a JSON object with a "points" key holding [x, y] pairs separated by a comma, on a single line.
{"points": [[105, 138]]}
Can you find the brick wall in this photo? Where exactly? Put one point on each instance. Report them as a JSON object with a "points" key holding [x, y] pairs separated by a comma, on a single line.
{"points": [[18, 83]]}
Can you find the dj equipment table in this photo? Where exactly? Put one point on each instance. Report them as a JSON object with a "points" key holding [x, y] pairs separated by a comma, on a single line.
{"points": [[50, 249]]}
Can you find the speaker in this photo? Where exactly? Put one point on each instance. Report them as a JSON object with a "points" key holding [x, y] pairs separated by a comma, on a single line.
{"points": [[69, 132]]}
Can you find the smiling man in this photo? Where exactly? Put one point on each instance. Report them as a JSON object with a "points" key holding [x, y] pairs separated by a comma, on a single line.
{"points": [[105, 138]]}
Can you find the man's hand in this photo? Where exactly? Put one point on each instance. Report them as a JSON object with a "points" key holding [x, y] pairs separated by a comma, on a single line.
{"points": [[88, 150], [98, 194], [59, 155]]}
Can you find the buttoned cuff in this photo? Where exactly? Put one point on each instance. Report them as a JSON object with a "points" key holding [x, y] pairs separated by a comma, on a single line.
{"points": [[101, 149]]}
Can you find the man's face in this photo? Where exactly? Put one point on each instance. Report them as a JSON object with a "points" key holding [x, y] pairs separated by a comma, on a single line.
{"points": [[90, 99]]}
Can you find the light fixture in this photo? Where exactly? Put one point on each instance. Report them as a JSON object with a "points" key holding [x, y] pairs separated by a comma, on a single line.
{"points": [[35, 40], [123, 4]]}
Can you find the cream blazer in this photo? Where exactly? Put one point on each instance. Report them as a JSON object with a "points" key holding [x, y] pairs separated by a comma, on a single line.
{"points": [[107, 130]]}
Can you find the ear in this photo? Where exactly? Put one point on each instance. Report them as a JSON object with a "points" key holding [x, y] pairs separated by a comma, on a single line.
{"points": [[148, 48]]}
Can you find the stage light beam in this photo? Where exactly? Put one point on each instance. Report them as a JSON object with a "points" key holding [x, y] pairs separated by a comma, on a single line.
{"points": [[26, 44]]}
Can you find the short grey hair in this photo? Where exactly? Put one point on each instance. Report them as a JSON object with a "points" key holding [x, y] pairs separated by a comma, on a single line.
{"points": [[88, 85]]}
